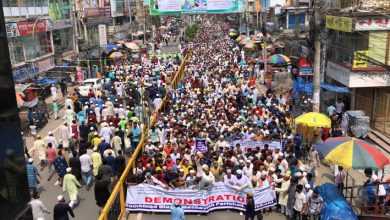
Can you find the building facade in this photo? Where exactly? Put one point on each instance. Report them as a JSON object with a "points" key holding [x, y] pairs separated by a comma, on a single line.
{"points": [[49, 33], [359, 58]]}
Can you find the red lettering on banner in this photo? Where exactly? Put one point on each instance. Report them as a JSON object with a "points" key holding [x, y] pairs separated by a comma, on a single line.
{"points": [[197, 201], [219, 198], [241, 199], [204, 201], [28, 27], [227, 196], [157, 200], [167, 200], [211, 199], [187, 201], [234, 198], [148, 199]]}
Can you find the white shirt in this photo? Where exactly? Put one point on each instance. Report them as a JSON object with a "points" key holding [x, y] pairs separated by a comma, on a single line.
{"points": [[382, 190], [38, 209], [105, 132], [300, 201], [232, 181], [248, 171], [86, 162], [243, 180]]}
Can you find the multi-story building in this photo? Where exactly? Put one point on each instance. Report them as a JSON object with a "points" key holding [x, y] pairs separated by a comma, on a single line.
{"points": [[43, 34], [29, 36], [359, 56]]}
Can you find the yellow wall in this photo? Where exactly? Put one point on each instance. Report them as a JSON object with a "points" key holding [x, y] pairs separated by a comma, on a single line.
{"points": [[377, 45]]}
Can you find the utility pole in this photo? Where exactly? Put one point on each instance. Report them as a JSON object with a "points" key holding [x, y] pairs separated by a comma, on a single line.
{"points": [[296, 29], [317, 57]]}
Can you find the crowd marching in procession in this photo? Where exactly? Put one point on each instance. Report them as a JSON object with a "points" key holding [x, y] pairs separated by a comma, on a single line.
{"points": [[219, 104]]}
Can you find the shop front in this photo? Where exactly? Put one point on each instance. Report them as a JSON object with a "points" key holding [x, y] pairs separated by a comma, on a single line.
{"points": [[370, 92]]}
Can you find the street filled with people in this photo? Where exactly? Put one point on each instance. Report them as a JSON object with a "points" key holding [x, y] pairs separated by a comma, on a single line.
{"points": [[219, 125]]}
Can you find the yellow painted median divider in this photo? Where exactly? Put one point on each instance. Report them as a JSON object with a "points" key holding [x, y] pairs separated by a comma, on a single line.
{"points": [[115, 206]]}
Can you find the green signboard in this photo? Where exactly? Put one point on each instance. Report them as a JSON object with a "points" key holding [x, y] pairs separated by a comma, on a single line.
{"points": [[173, 7], [146, 2]]}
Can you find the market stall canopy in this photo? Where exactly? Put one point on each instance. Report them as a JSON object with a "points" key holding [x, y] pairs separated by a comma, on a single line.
{"points": [[111, 47], [239, 38], [352, 153], [334, 88], [116, 55], [132, 46], [314, 119], [232, 32], [278, 59], [46, 81]]}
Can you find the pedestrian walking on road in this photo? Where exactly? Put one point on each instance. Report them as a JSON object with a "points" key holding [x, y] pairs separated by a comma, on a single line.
{"points": [[86, 168], [32, 175], [61, 210], [64, 87], [101, 192], [53, 90], [69, 115], [64, 136], [55, 110], [75, 164], [60, 165], [37, 207], [96, 161], [51, 155], [71, 186], [177, 211], [39, 146]]}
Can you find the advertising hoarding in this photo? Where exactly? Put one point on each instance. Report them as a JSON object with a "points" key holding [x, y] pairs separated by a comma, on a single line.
{"points": [[172, 7]]}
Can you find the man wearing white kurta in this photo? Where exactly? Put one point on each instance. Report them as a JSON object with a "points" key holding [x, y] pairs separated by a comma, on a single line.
{"points": [[106, 133], [64, 135]]}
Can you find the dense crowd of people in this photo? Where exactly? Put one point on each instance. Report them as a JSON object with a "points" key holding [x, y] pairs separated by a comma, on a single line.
{"points": [[219, 102]]}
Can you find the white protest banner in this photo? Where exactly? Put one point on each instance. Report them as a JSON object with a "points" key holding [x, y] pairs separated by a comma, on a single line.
{"points": [[248, 143], [219, 196]]}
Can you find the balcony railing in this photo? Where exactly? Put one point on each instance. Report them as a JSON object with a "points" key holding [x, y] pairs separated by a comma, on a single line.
{"points": [[115, 206], [345, 57]]}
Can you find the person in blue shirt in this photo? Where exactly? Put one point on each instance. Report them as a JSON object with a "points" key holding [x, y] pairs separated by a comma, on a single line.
{"points": [[81, 117], [110, 161], [135, 136], [99, 102], [177, 211]]}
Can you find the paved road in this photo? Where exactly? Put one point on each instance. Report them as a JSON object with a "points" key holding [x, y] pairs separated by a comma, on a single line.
{"points": [[87, 208]]}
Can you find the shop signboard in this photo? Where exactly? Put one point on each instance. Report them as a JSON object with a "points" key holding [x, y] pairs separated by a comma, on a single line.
{"points": [[339, 23], [172, 7], [360, 59], [102, 35], [12, 30], [372, 24], [29, 27], [305, 67], [24, 72]]}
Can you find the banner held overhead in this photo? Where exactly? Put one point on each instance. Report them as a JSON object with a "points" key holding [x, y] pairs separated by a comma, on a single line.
{"points": [[172, 7]]}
